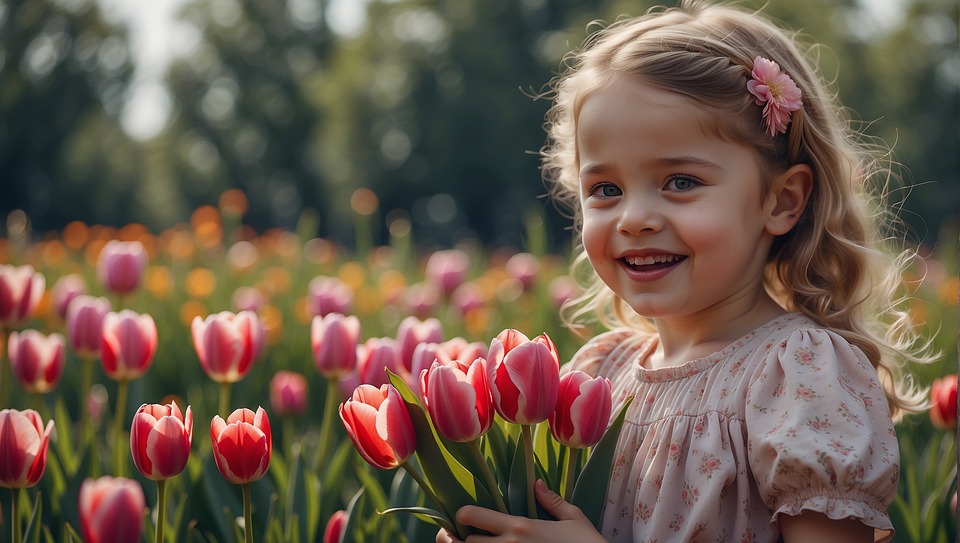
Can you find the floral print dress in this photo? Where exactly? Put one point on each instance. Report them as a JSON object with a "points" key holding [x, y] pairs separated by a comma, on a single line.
{"points": [[787, 419]]}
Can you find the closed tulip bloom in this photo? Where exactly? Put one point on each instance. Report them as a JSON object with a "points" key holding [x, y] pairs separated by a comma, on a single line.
{"points": [[458, 401], [412, 332], [524, 375], [583, 410], [326, 295], [288, 393], [111, 510], [227, 344], [242, 445], [447, 269], [334, 338], [85, 324], [160, 439], [523, 267], [120, 266], [421, 299], [378, 423], [23, 447], [423, 357], [21, 288], [333, 532], [943, 402], [65, 290], [458, 349], [468, 297], [127, 345], [377, 355], [248, 299], [37, 359]]}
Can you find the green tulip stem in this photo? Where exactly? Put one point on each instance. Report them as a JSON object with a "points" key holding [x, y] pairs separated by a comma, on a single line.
{"points": [[15, 515], [527, 433], [326, 422], [87, 376], [247, 514], [491, 481], [573, 458], [461, 533], [225, 400], [6, 372], [118, 428], [161, 508]]}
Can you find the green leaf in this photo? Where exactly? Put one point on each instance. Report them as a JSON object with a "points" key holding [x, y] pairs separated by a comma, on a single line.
{"points": [[65, 447], [424, 513], [589, 494], [517, 487]]}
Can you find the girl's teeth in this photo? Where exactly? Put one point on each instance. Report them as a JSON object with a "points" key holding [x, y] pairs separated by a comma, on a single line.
{"points": [[648, 260]]}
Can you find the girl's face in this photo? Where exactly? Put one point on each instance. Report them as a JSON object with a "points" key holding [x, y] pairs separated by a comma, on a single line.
{"points": [[674, 218]]}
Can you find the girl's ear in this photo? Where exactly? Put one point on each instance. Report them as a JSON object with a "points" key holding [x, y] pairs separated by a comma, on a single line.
{"points": [[789, 193]]}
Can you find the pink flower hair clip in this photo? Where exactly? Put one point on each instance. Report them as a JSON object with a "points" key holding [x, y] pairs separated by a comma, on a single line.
{"points": [[776, 92]]}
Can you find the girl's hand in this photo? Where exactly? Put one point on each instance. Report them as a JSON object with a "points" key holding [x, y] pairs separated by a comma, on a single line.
{"points": [[571, 524]]}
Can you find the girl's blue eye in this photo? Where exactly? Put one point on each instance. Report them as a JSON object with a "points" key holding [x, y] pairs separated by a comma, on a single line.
{"points": [[681, 183], [606, 190]]}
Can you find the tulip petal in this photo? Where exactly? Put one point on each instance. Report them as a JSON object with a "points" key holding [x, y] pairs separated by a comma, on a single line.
{"points": [[167, 447], [19, 445]]}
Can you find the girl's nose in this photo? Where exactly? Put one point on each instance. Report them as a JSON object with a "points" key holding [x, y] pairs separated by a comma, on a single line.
{"points": [[639, 217]]}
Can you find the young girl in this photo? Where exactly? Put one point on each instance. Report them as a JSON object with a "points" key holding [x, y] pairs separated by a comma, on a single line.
{"points": [[721, 202]]}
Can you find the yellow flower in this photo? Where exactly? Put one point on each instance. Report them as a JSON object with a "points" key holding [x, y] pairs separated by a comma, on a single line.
{"points": [[200, 283]]}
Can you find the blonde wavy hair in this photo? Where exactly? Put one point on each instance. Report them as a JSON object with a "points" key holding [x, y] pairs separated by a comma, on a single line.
{"points": [[834, 266]]}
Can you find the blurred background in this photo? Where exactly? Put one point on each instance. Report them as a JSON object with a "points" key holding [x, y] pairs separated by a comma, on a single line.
{"points": [[133, 111]]}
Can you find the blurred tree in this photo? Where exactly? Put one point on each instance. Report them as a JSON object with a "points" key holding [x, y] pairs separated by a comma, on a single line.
{"points": [[63, 75]]}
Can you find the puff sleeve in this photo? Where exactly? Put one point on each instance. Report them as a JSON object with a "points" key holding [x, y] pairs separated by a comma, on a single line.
{"points": [[820, 436]]}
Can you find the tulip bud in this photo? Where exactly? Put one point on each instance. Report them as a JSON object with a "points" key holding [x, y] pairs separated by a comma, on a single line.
{"points": [[111, 510], [378, 423], [412, 332], [227, 344], [333, 533], [376, 355], [242, 445], [247, 299], [447, 269], [334, 339], [583, 410], [127, 345], [160, 439], [37, 359], [120, 265], [23, 447], [943, 402], [524, 376], [288, 393], [523, 267], [458, 401], [421, 299], [326, 295], [85, 324], [65, 290], [20, 291]]}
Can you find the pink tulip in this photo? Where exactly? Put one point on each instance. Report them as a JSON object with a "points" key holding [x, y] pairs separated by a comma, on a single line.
{"points": [[327, 295], [333, 532], [422, 299], [242, 445], [37, 359], [65, 290], [334, 339], [583, 410], [128, 344], [378, 423], [160, 439], [120, 265], [227, 344], [247, 299], [468, 297], [20, 291], [524, 376], [423, 357], [523, 267], [943, 402], [412, 332], [458, 349], [111, 510], [374, 357], [447, 269], [288, 393], [561, 290], [458, 401], [85, 324], [23, 447]]}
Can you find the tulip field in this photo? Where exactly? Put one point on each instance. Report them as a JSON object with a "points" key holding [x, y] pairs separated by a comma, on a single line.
{"points": [[210, 383]]}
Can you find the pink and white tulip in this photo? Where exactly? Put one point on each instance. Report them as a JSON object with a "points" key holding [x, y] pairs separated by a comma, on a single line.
{"points": [[412, 332], [458, 399], [160, 439], [334, 339], [85, 317], [127, 345], [21, 288], [120, 266], [65, 290], [524, 376], [111, 510], [378, 423], [23, 447], [583, 410], [37, 359], [227, 344]]}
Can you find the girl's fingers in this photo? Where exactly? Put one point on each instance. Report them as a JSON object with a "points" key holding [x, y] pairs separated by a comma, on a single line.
{"points": [[485, 519]]}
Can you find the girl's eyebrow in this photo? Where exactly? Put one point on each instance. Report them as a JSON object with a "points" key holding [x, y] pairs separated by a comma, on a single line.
{"points": [[683, 160]]}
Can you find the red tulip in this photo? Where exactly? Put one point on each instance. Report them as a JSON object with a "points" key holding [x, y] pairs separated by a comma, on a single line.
{"points": [[447, 269], [160, 439], [326, 295], [242, 445], [943, 402], [111, 510], [412, 332], [376, 354], [583, 410], [23, 447], [65, 290], [20, 291], [379, 425], [334, 339], [85, 324], [524, 376], [128, 344], [37, 359], [333, 533], [120, 265], [227, 344], [458, 401], [288, 393]]}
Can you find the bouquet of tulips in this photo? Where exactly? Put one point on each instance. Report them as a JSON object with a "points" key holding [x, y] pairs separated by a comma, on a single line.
{"points": [[447, 437]]}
